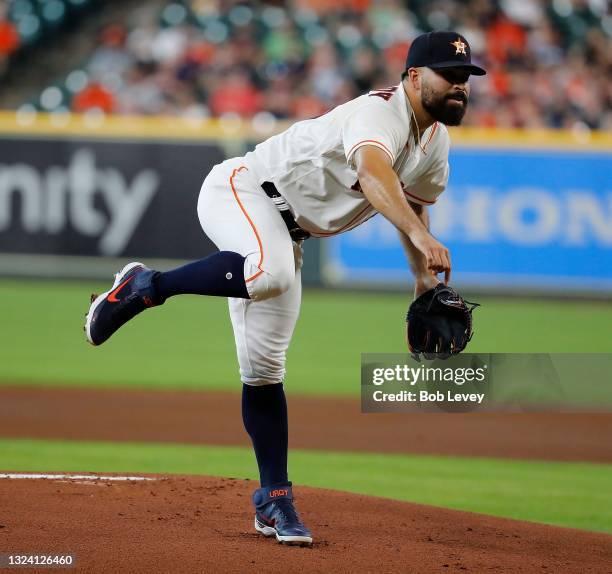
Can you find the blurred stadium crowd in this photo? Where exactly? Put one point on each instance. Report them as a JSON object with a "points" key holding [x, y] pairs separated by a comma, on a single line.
{"points": [[549, 62]]}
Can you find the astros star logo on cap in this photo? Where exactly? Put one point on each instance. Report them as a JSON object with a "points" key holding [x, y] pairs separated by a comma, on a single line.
{"points": [[459, 47], [435, 50]]}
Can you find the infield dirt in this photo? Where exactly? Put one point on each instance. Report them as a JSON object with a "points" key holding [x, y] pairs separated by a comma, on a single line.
{"points": [[200, 524], [323, 423]]}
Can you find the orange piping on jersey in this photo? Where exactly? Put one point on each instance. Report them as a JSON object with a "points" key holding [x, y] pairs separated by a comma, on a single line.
{"points": [[325, 234], [419, 198], [371, 141], [431, 135], [261, 251]]}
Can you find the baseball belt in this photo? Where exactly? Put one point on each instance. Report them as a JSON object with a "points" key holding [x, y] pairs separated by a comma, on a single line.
{"points": [[295, 231]]}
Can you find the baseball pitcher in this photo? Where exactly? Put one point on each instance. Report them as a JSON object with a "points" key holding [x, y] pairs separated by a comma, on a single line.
{"points": [[384, 152]]}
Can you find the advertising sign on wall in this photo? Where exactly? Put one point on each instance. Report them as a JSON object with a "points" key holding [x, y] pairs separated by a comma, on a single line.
{"points": [[525, 219], [89, 198]]}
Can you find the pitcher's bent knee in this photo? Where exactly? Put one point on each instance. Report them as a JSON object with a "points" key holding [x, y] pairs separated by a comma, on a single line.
{"points": [[262, 285]]}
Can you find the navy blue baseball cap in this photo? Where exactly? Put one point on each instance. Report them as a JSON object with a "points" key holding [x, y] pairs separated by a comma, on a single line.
{"points": [[442, 50]]}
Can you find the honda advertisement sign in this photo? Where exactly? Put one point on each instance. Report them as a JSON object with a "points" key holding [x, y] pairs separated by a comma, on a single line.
{"points": [[512, 219]]}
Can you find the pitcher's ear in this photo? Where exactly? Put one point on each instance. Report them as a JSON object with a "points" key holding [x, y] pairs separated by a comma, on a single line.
{"points": [[414, 78]]}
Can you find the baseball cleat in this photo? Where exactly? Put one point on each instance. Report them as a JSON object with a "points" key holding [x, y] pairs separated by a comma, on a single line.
{"points": [[131, 293], [275, 515]]}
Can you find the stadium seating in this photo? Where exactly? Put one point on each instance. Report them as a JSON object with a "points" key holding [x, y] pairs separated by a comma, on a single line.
{"points": [[547, 61], [32, 20]]}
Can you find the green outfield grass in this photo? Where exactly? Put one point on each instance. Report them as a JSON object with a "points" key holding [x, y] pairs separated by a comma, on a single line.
{"points": [[188, 343], [565, 494]]}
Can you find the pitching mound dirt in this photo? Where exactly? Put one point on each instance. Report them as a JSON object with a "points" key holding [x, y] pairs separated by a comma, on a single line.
{"points": [[201, 524]]}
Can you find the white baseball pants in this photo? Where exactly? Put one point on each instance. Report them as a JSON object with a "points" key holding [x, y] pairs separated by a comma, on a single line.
{"points": [[238, 216]]}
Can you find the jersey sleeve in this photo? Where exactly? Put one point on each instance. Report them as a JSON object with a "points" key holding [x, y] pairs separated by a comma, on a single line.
{"points": [[430, 185], [375, 124]]}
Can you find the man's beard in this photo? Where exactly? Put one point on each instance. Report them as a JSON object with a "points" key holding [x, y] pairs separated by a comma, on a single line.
{"points": [[440, 109]]}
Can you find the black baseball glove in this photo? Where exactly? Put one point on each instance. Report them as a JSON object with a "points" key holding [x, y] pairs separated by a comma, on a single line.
{"points": [[439, 323]]}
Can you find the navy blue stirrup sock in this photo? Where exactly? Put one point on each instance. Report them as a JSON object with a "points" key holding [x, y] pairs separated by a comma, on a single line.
{"points": [[220, 274], [264, 412]]}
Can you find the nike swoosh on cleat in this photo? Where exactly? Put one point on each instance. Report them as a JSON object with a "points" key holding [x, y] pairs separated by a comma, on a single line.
{"points": [[112, 298]]}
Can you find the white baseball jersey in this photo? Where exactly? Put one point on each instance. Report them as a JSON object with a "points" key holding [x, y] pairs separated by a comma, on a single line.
{"points": [[312, 163], [312, 166]]}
